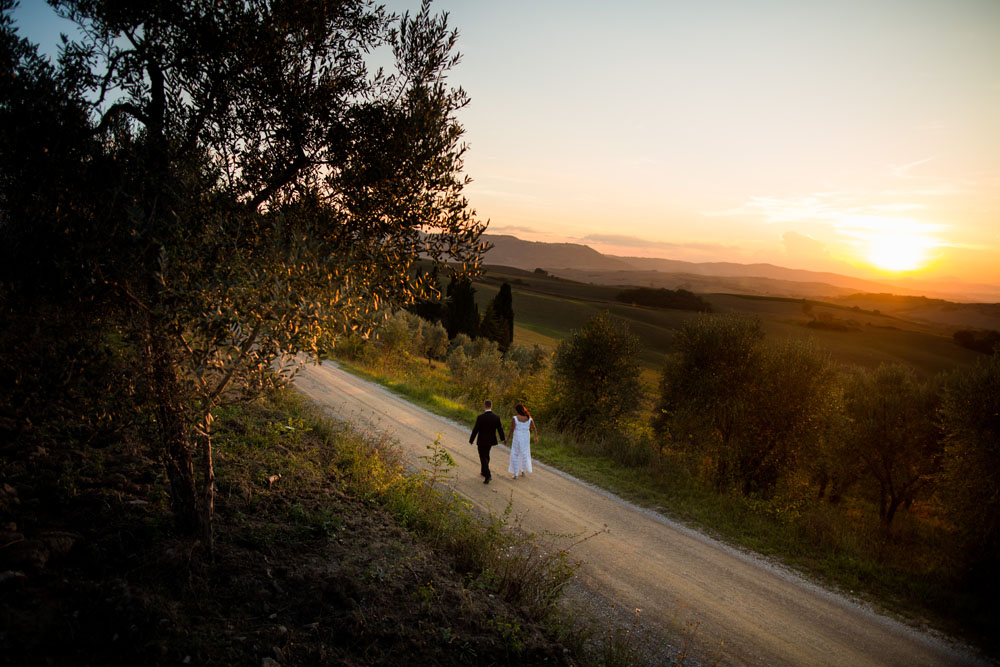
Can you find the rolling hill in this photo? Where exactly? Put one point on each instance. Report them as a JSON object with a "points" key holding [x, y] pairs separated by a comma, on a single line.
{"points": [[548, 308], [583, 263]]}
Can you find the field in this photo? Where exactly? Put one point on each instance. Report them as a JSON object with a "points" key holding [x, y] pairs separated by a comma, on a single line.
{"points": [[548, 308]]}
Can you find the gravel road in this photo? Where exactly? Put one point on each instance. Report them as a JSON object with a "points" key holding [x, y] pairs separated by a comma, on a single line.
{"points": [[748, 610]]}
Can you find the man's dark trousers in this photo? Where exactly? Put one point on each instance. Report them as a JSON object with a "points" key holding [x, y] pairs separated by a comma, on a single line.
{"points": [[487, 426]]}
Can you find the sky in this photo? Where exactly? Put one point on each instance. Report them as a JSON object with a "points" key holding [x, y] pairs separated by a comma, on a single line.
{"points": [[861, 137]]}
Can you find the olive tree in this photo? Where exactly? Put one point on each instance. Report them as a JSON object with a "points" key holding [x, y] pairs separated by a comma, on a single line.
{"points": [[595, 376], [893, 433], [703, 389], [754, 408], [266, 191], [971, 420]]}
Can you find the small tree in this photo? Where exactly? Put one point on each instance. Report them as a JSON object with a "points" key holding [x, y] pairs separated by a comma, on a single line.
{"points": [[490, 327], [503, 307], [787, 405], [751, 406], [893, 432], [435, 340], [971, 419], [595, 376], [498, 320], [704, 390]]}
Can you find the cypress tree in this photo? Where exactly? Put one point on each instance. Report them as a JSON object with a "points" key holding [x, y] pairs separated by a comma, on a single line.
{"points": [[498, 320], [461, 311]]}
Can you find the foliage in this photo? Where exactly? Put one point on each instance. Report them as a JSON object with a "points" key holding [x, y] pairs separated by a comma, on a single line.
{"points": [[434, 340], [261, 192], [893, 432], [703, 388], [680, 299], [971, 420], [477, 366], [595, 377], [61, 378], [751, 407]]}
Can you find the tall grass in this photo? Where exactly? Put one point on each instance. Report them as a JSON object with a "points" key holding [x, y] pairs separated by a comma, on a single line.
{"points": [[293, 444]]}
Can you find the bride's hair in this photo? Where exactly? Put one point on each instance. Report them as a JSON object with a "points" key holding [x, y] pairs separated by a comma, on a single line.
{"points": [[521, 410]]}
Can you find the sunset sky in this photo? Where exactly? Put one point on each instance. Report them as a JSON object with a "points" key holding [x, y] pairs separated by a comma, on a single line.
{"points": [[842, 136]]}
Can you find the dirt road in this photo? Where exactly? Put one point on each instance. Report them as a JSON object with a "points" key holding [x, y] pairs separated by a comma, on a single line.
{"points": [[751, 611]]}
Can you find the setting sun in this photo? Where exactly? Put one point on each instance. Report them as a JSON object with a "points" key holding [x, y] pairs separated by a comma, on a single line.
{"points": [[897, 253]]}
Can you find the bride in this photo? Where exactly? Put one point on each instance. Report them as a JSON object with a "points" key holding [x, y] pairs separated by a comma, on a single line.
{"points": [[521, 425]]}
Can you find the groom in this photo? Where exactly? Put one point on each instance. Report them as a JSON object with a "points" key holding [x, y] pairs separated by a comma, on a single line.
{"points": [[487, 426]]}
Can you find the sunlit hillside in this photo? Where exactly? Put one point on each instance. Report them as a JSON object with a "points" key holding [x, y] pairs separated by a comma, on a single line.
{"points": [[548, 308]]}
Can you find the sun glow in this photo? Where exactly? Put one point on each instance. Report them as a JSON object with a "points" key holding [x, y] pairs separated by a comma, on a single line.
{"points": [[892, 245], [897, 253]]}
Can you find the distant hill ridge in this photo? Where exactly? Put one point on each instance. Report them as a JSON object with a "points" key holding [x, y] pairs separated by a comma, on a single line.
{"points": [[511, 251], [580, 262]]}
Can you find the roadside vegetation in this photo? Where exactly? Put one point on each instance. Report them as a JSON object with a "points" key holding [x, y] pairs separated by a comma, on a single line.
{"points": [[326, 551], [863, 477]]}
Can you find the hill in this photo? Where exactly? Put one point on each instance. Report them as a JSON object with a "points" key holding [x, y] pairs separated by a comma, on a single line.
{"points": [[766, 271], [583, 263], [547, 308], [512, 251]]}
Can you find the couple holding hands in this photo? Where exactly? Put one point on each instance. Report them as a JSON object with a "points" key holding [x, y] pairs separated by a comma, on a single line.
{"points": [[488, 425]]}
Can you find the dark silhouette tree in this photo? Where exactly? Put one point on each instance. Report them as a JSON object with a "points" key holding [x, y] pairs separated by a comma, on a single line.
{"points": [[263, 192], [461, 311], [498, 320], [53, 187]]}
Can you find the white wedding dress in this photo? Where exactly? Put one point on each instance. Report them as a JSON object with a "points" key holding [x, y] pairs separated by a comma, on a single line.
{"points": [[520, 447]]}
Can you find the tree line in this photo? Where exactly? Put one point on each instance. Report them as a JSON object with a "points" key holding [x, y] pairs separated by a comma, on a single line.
{"points": [[757, 416]]}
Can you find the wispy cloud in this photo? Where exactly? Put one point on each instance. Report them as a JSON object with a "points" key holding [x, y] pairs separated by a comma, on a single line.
{"points": [[853, 219], [903, 170]]}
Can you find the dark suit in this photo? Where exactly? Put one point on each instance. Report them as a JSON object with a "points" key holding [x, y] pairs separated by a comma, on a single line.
{"points": [[487, 426]]}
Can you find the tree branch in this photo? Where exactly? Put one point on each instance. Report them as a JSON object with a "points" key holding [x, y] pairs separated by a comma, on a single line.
{"points": [[224, 382], [282, 179], [117, 110]]}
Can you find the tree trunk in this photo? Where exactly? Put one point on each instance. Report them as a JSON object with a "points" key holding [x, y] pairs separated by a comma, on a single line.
{"points": [[175, 446], [891, 511], [208, 497]]}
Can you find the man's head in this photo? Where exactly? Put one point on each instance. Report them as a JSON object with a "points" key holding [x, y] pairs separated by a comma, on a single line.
{"points": [[488, 404]]}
